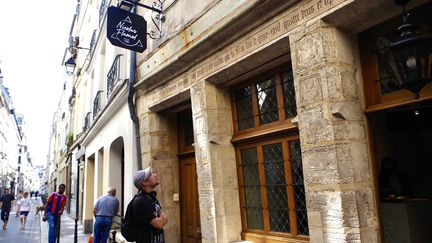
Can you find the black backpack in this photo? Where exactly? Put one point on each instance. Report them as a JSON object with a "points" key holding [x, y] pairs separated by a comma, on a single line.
{"points": [[128, 227]]}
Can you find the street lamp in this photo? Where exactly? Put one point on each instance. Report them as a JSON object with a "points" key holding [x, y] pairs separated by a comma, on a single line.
{"points": [[411, 54], [70, 66], [127, 6]]}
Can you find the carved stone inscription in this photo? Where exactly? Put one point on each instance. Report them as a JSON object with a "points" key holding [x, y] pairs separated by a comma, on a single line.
{"points": [[310, 90], [271, 31]]}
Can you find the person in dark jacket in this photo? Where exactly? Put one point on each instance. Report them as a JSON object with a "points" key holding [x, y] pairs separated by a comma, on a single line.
{"points": [[6, 205], [148, 215], [393, 184]]}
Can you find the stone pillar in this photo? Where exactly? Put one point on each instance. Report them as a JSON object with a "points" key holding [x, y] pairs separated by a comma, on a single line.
{"points": [[337, 172], [216, 164], [158, 150]]}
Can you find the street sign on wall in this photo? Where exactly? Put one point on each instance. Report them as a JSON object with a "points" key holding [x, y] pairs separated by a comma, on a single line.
{"points": [[126, 30]]}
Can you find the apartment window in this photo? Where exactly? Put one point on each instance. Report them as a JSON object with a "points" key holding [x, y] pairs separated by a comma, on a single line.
{"points": [[268, 153]]}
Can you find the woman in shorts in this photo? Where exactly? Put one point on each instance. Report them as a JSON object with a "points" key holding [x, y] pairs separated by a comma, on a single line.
{"points": [[24, 205]]}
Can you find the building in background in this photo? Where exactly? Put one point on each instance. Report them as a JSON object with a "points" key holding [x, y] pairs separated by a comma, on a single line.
{"points": [[93, 118], [16, 163]]}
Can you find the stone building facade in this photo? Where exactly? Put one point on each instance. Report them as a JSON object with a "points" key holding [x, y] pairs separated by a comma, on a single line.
{"points": [[213, 151]]}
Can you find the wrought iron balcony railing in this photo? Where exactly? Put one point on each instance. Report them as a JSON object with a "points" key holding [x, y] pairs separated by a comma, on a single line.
{"points": [[113, 75], [97, 104], [87, 121], [93, 41]]}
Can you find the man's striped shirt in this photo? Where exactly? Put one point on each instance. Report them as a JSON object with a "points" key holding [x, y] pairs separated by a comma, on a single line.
{"points": [[56, 202]]}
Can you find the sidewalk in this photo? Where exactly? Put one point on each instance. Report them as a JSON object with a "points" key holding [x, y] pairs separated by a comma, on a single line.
{"points": [[67, 230]]}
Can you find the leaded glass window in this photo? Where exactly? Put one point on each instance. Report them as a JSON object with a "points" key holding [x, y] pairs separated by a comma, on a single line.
{"points": [[289, 94], [251, 186], [272, 187], [298, 184], [265, 101], [276, 188], [243, 99]]}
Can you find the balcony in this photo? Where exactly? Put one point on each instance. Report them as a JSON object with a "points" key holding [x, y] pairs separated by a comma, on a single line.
{"points": [[93, 41], [87, 121], [97, 104], [113, 75]]}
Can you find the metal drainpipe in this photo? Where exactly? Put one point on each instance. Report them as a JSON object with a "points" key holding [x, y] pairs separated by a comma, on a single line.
{"points": [[133, 115]]}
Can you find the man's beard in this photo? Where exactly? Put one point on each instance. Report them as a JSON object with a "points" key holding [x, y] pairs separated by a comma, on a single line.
{"points": [[154, 185]]}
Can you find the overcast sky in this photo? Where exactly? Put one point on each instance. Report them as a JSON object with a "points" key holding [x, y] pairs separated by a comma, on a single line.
{"points": [[33, 37]]}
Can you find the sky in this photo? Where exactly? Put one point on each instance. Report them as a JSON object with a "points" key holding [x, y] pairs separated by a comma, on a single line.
{"points": [[33, 38]]}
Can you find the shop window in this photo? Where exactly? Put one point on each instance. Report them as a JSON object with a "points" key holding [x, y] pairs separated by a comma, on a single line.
{"points": [[272, 189], [380, 82], [265, 101]]}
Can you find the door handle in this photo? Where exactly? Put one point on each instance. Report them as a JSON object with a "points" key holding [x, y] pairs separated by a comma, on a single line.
{"points": [[198, 233]]}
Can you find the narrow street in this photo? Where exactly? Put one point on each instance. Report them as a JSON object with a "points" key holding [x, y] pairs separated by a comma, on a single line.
{"points": [[32, 231]]}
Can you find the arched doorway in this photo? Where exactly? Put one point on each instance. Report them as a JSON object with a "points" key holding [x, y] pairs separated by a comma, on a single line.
{"points": [[116, 167]]}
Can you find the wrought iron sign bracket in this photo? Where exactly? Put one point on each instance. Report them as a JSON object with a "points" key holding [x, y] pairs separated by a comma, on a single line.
{"points": [[157, 15]]}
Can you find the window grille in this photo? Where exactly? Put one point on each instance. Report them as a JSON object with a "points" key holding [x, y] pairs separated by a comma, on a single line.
{"points": [[113, 75]]}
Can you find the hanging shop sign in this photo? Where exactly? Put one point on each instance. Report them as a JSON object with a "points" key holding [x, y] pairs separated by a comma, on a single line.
{"points": [[126, 30]]}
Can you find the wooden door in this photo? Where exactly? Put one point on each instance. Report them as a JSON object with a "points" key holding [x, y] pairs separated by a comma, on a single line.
{"points": [[190, 216]]}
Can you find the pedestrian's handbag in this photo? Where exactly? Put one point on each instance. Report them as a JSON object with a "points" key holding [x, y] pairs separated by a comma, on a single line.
{"points": [[128, 228]]}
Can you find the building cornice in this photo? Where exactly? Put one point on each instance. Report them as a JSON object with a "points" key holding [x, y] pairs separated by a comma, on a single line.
{"points": [[154, 71]]}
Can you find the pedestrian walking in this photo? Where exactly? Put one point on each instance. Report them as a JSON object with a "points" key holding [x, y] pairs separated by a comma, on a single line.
{"points": [[24, 206], [148, 217], [105, 208], [19, 196], [53, 211], [6, 205]]}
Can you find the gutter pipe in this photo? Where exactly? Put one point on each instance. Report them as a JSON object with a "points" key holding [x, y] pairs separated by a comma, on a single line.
{"points": [[133, 115]]}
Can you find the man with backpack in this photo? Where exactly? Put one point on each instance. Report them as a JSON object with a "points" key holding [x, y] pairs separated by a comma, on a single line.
{"points": [[147, 217]]}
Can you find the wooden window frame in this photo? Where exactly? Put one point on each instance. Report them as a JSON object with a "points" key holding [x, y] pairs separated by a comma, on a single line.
{"points": [[281, 131], [259, 130], [284, 141]]}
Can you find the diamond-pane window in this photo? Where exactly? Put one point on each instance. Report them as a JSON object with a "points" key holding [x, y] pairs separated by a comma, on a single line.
{"points": [[251, 185], [267, 101], [273, 188], [269, 159], [276, 188], [289, 94], [298, 184], [244, 108]]}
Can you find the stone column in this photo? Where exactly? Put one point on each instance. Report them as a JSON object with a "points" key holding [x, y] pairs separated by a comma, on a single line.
{"points": [[337, 172], [216, 164], [158, 150]]}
